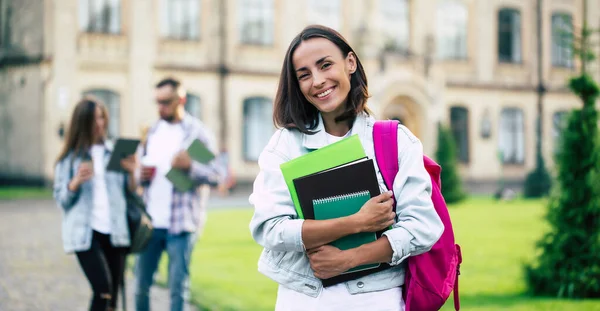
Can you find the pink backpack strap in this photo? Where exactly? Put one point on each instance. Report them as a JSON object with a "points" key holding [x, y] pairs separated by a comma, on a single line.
{"points": [[385, 139]]}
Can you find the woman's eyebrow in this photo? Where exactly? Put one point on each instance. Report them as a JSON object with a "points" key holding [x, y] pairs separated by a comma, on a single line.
{"points": [[318, 62]]}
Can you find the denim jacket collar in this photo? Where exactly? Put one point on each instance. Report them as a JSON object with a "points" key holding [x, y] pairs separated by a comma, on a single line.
{"points": [[319, 139]]}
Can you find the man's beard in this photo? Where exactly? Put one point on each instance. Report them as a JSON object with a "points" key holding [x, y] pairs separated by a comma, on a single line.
{"points": [[168, 118]]}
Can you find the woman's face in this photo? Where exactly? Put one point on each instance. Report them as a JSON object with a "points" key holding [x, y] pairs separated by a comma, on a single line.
{"points": [[100, 124], [324, 74]]}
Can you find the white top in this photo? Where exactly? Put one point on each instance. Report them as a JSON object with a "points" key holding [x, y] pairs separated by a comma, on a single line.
{"points": [[163, 145], [337, 297], [100, 212], [334, 139]]}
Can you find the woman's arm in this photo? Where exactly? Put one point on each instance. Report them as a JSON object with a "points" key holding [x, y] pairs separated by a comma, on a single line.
{"points": [[375, 215], [417, 229], [65, 191], [328, 261], [275, 225]]}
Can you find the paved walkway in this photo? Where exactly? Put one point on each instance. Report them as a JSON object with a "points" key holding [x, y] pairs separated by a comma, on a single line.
{"points": [[35, 273]]}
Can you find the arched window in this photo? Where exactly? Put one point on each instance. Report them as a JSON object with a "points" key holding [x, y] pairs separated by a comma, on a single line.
{"points": [[459, 124], [451, 29], [511, 136], [193, 106], [258, 126], [112, 101], [509, 36]]}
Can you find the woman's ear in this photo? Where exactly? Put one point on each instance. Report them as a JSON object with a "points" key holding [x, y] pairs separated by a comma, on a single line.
{"points": [[351, 62]]}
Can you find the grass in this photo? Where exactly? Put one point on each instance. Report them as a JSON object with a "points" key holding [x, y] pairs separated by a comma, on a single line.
{"points": [[496, 239], [14, 193]]}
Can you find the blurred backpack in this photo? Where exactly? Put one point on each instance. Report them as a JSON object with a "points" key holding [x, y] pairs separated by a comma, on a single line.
{"points": [[431, 276]]}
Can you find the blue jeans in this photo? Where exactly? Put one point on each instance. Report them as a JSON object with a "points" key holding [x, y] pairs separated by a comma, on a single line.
{"points": [[179, 250]]}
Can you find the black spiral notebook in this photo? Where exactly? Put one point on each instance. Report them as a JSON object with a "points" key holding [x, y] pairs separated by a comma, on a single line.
{"points": [[334, 186]]}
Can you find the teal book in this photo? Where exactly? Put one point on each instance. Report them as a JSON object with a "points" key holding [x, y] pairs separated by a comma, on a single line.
{"points": [[341, 206]]}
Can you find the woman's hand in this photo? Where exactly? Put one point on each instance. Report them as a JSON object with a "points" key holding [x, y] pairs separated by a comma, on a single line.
{"points": [[328, 261], [377, 214], [85, 172], [130, 163]]}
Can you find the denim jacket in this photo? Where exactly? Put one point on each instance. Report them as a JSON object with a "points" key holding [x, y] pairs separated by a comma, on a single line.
{"points": [[77, 205], [277, 228]]}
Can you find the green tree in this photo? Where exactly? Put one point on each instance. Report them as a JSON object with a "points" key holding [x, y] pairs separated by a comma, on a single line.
{"points": [[569, 262], [569, 265], [446, 156]]}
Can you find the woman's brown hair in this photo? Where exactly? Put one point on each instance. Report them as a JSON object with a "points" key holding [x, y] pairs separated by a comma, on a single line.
{"points": [[80, 134], [292, 110]]}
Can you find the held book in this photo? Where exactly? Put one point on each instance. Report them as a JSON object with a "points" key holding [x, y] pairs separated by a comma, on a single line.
{"points": [[198, 152], [336, 154], [123, 148], [338, 192], [344, 205]]}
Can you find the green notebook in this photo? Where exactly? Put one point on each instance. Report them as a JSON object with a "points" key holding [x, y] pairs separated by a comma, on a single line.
{"points": [[341, 152], [341, 206], [180, 180], [199, 153]]}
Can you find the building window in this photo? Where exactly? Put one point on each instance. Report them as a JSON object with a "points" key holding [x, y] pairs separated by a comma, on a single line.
{"points": [[5, 22], [102, 16], [192, 106], [112, 102], [509, 36], [451, 29], [459, 124], [180, 19], [559, 123], [326, 13], [257, 128], [256, 21], [562, 40], [395, 24], [511, 136]]}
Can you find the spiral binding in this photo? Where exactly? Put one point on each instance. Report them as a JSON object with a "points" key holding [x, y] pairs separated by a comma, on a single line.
{"points": [[340, 197]]}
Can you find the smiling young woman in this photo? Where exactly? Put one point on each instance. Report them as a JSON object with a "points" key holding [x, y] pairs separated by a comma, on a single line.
{"points": [[322, 98]]}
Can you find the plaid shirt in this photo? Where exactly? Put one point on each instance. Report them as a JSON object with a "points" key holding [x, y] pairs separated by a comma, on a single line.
{"points": [[188, 208]]}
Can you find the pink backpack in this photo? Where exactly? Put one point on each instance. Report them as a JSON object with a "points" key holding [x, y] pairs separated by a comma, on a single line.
{"points": [[431, 276]]}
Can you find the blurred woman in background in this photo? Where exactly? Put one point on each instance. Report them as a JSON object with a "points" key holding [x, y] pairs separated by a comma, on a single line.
{"points": [[92, 199]]}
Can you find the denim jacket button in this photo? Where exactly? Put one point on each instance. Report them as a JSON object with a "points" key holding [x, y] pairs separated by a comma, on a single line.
{"points": [[360, 284]]}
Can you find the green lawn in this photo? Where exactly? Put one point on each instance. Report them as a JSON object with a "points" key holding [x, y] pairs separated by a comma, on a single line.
{"points": [[13, 193], [496, 239]]}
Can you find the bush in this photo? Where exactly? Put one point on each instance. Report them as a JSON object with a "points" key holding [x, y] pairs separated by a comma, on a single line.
{"points": [[446, 158], [569, 263]]}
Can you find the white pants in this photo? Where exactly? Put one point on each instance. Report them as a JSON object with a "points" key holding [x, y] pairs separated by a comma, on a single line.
{"points": [[337, 297]]}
